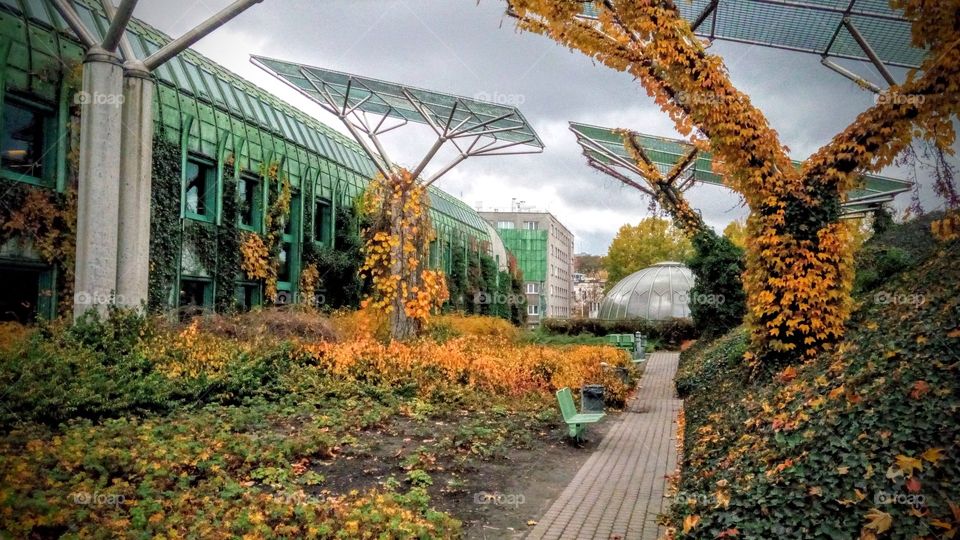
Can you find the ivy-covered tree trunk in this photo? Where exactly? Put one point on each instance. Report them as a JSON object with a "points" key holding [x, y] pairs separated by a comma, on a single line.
{"points": [[798, 270], [396, 250]]}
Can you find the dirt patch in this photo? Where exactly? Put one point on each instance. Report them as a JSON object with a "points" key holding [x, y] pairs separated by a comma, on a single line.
{"points": [[495, 473]]}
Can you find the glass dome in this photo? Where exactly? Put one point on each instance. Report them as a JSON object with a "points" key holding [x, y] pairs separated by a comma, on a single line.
{"points": [[657, 293]]}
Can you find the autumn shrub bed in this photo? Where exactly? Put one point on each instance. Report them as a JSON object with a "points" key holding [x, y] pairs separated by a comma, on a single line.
{"points": [[862, 442], [217, 428]]}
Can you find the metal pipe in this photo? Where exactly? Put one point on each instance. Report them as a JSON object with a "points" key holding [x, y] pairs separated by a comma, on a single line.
{"points": [[119, 18], [861, 82], [430, 153], [73, 20], [177, 46], [871, 54], [704, 14]]}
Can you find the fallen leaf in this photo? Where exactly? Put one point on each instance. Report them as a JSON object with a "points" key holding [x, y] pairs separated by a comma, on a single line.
{"points": [[531, 523], [913, 485], [690, 522], [908, 464], [878, 520], [933, 455]]}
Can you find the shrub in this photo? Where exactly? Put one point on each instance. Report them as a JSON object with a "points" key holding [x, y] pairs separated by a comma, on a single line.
{"points": [[670, 333], [717, 300]]}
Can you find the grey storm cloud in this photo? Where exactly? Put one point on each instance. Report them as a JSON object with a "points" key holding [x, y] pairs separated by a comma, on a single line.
{"points": [[471, 48]]}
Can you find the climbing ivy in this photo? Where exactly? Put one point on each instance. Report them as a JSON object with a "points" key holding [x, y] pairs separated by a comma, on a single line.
{"points": [[164, 225], [228, 239]]}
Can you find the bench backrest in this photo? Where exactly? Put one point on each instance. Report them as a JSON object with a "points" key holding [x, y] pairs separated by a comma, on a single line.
{"points": [[567, 407], [613, 339]]}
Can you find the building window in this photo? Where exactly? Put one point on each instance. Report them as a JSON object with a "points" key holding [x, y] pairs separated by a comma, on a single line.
{"points": [[505, 225], [26, 131], [322, 221], [248, 295], [248, 195], [195, 296], [201, 190], [533, 309], [530, 225], [533, 288], [19, 295]]}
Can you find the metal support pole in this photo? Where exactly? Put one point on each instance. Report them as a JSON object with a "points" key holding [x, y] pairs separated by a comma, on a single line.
{"points": [[868, 50], [125, 49], [69, 15], [99, 178], [118, 23], [176, 46], [863, 83], [136, 147]]}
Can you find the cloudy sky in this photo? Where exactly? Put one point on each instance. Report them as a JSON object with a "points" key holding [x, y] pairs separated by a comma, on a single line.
{"points": [[470, 48]]}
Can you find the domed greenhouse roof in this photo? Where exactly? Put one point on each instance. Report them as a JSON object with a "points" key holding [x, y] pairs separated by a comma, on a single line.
{"points": [[657, 293]]}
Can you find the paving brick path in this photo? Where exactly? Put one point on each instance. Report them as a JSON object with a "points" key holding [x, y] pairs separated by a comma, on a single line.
{"points": [[618, 492]]}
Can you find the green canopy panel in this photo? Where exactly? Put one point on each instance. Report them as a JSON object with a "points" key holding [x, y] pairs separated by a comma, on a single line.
{"points": [[829, 28], [604, 149], [406, 103]]}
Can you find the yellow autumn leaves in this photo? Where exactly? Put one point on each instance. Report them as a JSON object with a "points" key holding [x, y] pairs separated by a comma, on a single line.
{"points": [[395, 250]]}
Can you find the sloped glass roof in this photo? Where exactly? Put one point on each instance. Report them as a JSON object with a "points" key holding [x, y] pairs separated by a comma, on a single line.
{"points": [[500, 122], [204, 78], [657, 293], [605, 146], [813, 26]]}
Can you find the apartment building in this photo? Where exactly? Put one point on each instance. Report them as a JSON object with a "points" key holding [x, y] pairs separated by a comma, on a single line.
{"points": [[543, 248]]}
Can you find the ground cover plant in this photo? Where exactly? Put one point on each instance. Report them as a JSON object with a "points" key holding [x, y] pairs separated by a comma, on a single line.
{"points": [[272, 424], [861, 442]]}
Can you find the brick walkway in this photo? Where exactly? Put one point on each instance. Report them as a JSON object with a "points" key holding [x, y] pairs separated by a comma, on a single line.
{"points": [[618, 492]]}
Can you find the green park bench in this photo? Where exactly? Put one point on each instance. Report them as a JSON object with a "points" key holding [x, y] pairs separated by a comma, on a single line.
{"points": [[576, 422]]}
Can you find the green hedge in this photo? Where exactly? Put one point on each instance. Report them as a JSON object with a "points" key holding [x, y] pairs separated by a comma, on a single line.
{"points": [[670, 333]]}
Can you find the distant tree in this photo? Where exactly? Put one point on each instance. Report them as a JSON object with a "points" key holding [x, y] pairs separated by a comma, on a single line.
{"points": [[587, 264], [736, 231], [638, 246], [717, 300]]}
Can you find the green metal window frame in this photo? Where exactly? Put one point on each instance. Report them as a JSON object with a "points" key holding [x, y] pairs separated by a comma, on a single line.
{"points": [[49, 123], [212, 188], [207, 290], [323, 209], [256, 211], [256, 294]]}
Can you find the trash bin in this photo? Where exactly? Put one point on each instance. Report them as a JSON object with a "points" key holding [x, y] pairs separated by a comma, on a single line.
{"points": [[591, 398]]}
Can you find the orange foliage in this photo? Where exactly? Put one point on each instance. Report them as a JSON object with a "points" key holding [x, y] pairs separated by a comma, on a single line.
{"points": [[799, 271]]}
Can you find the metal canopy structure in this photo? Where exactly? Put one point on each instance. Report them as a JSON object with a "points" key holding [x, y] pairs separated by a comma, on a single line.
{"points": [[370, 107], [866, 30], [682, 165]]}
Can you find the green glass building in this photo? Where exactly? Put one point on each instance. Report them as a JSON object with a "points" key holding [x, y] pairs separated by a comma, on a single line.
{"points": [[226, 132]]}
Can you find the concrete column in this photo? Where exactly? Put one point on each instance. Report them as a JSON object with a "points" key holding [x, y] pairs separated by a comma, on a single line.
{"points": [[136, 148], [98, 192]]}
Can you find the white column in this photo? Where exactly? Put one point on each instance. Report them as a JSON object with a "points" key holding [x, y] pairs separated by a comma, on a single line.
{"points": [[136, 148], [98, 192]]}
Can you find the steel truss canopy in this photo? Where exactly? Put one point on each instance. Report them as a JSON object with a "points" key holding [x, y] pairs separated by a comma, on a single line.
{"points": [[374, 107], [867, 30], [605, 151]]}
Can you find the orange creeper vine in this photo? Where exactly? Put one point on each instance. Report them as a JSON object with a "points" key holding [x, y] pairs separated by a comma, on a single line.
{"points": [[798, 274], [396, 246]]}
